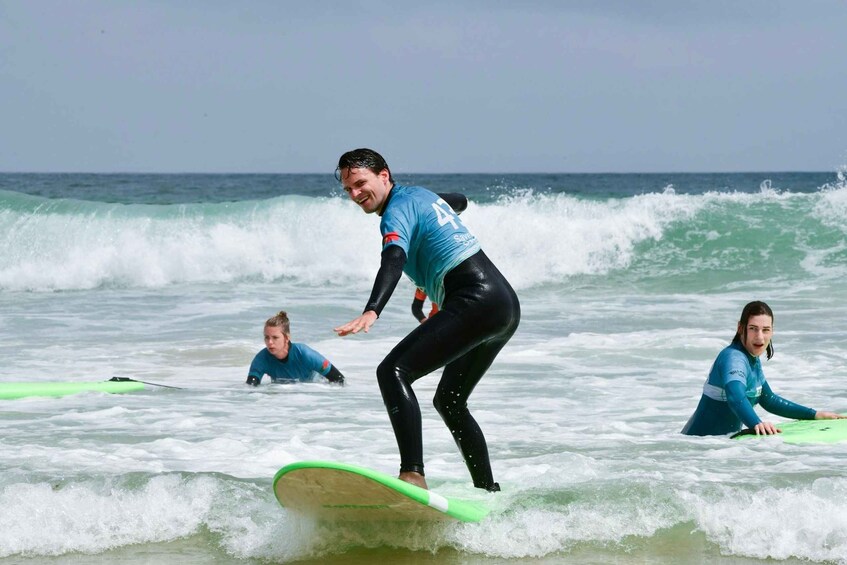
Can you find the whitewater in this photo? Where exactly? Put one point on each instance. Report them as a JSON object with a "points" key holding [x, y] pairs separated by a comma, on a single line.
{"points": [[630, 285]]}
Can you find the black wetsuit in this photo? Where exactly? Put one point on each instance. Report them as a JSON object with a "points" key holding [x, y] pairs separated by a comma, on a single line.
{"points": [[478, 315]]}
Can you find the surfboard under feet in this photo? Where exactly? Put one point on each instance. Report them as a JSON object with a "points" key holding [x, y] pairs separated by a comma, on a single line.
{"points": [[340, 491]]}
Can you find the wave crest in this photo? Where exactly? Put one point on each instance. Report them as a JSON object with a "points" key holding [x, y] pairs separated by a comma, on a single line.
{"points": [[535, 238]]}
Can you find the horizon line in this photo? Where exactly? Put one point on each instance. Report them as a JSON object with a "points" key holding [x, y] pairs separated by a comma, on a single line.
{"points": [[394, 172]]}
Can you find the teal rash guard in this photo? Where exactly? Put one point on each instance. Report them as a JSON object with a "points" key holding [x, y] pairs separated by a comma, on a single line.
{"points": [[430, 233], [301, 364], [736, 383]]}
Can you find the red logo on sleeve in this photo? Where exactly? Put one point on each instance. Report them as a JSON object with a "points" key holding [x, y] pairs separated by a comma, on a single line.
{"points": [[389, 237]]}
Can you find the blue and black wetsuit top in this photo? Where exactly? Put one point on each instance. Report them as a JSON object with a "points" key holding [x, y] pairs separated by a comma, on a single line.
{"points": [[736, 383], [433, 243], [301, 365]]}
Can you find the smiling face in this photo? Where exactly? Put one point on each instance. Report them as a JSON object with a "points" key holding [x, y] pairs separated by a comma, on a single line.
{"points": [[276, 342], [367, 189], [756, 334]]}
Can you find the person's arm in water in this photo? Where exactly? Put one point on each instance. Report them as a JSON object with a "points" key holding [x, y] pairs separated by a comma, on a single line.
{"points": [[778, 405], [334, 376], [256, 370], [317, 363], [736, 398], [775, 404], [390, 270]]}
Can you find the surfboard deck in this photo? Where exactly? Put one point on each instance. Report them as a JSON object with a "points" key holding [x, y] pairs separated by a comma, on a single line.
{"points": [[10, 391], [805, 431], [344, 492]]}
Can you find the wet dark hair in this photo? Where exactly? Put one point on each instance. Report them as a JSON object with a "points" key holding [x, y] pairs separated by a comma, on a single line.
{"points": [[362, 159], [755, 308]]}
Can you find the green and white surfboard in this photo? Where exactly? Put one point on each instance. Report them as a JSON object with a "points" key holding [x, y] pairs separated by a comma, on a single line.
{"points": [[10, 391], [339, 491], [805, 431]]}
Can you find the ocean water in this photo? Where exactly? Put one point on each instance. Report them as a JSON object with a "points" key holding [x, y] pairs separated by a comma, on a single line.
{"points": [[630, 285]]}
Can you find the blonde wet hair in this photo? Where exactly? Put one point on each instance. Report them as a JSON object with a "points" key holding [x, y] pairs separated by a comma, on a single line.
{"points": [[280, 320]]}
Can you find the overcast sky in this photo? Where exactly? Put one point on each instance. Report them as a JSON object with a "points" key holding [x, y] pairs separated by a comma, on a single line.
{"points": [[435, 86]]}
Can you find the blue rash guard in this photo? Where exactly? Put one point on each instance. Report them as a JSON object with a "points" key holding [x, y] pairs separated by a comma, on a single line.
{"points": [[434, 243], [300, 365], [736, 383]]}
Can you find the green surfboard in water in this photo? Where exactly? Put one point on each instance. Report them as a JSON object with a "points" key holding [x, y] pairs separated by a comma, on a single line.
{"points": [[805, 431], [338, 491], [10, 391]]}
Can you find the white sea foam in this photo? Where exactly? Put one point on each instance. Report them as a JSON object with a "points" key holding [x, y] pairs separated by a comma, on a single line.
{"points": [[535, 238], [581, 411]]}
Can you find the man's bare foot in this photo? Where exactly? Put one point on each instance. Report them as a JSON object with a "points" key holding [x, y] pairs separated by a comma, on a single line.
{"points": [[414, 478]]}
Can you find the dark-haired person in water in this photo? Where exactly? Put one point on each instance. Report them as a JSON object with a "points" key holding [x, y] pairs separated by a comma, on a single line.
{"points": [[478, 311], [285, 361], [736, 383]]}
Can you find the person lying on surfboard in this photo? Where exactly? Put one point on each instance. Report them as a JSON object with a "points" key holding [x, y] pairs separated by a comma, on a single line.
{"points": [[285, 361], [736, 383], [423, 237]]}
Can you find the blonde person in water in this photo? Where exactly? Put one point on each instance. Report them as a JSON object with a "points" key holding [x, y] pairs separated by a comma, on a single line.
{"points": [[286, 361]]}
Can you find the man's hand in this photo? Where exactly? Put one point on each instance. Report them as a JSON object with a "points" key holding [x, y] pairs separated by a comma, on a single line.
{"points": [[362, 323]]}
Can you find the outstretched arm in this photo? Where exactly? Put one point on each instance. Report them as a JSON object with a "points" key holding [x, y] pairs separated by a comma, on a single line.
{"points": [[736, 397], [334, 375], [256, 371], [775, 404], [390, 270]]}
